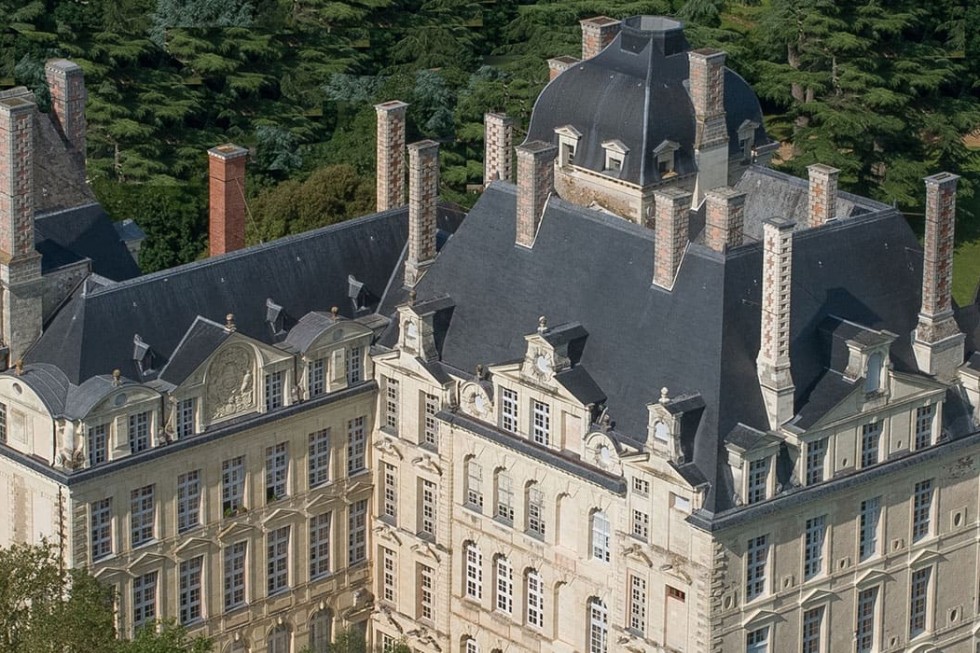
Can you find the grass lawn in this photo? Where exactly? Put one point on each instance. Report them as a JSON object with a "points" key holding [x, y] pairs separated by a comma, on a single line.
{"points": [[966, 260]]}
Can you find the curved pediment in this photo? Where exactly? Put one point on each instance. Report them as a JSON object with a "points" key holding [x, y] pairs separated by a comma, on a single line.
{"points": [[230, 387]]}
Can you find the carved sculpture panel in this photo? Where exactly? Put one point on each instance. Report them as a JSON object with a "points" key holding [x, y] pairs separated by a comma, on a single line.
{"points": [[230, 385]]}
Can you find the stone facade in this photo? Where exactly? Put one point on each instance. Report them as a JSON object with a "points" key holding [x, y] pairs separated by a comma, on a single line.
{"points": [[535, 182], [724, 219], [67, 85], [597, 33], [423, 193], [498, 142], [391, 154], [671, 234], [822, 194], [227, 198]]}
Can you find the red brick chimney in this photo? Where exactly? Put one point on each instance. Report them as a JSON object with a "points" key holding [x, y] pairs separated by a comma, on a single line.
{"points": [[707, 89], [558, 65], [66, 83], [822, 194], [391, 154], [227, 198], [498, 139], [724, 218], [535, 182], [672, 208], [423, 196], [597, 33]]}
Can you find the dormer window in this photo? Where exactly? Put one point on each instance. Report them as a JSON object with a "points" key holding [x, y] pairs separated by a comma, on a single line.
{"points": [[616, 152], [872, 379], [746, 138], [568, 139], [665, 158], [757, 482]]}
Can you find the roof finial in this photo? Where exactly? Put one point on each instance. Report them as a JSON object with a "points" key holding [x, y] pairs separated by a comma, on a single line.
{"points": [[333, 311], [542, 324], [479, 371], [116, 377], [19, 366], [411, 297], [664, 399], [230, 322]]}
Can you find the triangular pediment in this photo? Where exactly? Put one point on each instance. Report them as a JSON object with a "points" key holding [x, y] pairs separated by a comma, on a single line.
{"points": [[109, 574], [318, 502], [147, 561], [818, 596], [872, 577], [925, 557], [279, 517], [568, 131], [235, 530], [760, 618], [191, 546]]}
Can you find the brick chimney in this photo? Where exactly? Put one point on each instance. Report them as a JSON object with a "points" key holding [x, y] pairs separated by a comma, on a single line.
{"points": [[597, 33], [558, 65], [66, 83], [20, 264], [498, 139], [672, 218], [724, 218], [773, 363], [391, 154], [707, 89], [535, 182], [822, 194], [227, 198], [423, 194], [937, 341]]}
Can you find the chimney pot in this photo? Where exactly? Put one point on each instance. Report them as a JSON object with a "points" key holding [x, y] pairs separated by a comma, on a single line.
{"points": [[671, 225], [597, 33], [498, 143], [391, 154], [535, 182], [227, 198], [822, 194], [423, 196]]}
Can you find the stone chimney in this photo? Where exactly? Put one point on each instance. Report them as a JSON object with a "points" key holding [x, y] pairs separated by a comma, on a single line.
{"points": [[498, 139], [724, 218], [20, 264], [823, 194], [597, 33], [535, 182], [558, 65], [672, 217], [66, 83], [227, 198], [707, 89], [937, 342], [773, 364], [391, 154], [423, 195]]}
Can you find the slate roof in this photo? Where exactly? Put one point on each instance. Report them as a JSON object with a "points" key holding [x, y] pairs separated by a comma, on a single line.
{"points": [[200, 341], [83, 232], [635, 91]]}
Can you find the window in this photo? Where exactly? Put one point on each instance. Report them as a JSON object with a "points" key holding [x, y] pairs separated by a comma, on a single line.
{"points": [[234, 581], [816, 453], [816, 534], [757, 641], [508, 410], [319, 460], [674, 593], [315, 377], [918, 601], [812, 630], [430, 432], [921, 510], [864, 630], [3, 422], [190, 589], [870, 440], [279, 640], [614, 164], [100, 528], [320, 631], [923, 425], [356, 532], [352, 364], [141, 515], [139, 432], [641, 487], [601, 534], [598, 626], [389, 484], [872, 382], [542, 422], [535, 599], [185, 417], [232, 484], [638, 604], [273, 390], [504, 586], [427, 516], [474, 572], [144, 599], [188, 500], [276, 472], [758, 480], [389, 575], [391, 402], [319, 545], [870, 517], [474, 484], [98, 442], [505, 498], [535, 513], [756, 557], [356, 441], [471, 646], [641, 525], [426, 582], [277, 560]]}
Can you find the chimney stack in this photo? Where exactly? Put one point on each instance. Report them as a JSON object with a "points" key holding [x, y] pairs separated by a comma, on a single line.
{"points": [[672, 217], [391, 154], [597, 33], [66, 83], [498, 138], [558, 65], [773, 363], [707, 89], [724, 218], [937, 341], [535, 182], [823, 194], [423, 194], [20, 264], [227, 198]]}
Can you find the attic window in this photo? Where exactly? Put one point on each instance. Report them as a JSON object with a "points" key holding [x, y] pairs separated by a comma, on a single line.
{"points": [[616, 152], [746, 138], [872, 380], [275, 317], [568, 138], [143, 355], [665, 158]]}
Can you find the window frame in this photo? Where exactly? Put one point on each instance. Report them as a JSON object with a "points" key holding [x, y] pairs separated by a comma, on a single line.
{"points": [[234, 575], [357, 532], [276, 472], [756, 567], [191, 589], [318, 458], [319, 545], [142, 516], [356, 445], [100, 528], [277, 547], [189, 498], [601, 537], [814, 547], [923, 502]]}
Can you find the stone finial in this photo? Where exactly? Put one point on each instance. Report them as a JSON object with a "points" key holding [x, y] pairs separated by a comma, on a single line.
{"points": [[19, 367], [116, 377], [535, 182], [480, 372], [391, 154], [542, 324], [664, 398], [334, 311], [412, 295], [226, 192], [822, 194], [230, 322]]}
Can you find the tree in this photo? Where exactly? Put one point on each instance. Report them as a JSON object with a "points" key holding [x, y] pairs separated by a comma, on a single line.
{"points": [[164, 637]]}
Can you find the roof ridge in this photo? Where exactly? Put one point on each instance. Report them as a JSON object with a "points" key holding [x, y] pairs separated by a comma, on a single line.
{"points": [[77, 207]]}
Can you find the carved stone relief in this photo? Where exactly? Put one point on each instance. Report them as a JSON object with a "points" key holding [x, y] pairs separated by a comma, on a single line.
{"points": [[230, 386]]}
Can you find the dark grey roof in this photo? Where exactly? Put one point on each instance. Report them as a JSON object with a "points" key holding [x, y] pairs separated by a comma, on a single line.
{"points": [[307, 329], [50, 384], [747, 438], [829, 391], [83, 398], [701, 337], [129, 231], [581, 385], [635, 91], [83, 232], [200, 341]]}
